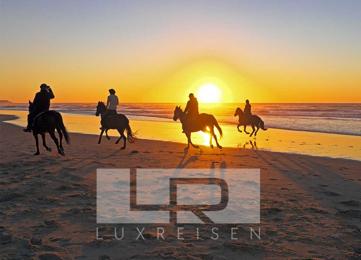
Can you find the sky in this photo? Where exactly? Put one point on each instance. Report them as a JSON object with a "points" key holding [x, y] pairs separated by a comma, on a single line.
{"points": [[159, 51]]}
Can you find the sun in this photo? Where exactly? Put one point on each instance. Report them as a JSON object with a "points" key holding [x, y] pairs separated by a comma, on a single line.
{"points": [[209, 93]]}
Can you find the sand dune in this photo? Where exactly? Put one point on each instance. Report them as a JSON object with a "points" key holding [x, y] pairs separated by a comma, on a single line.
{"points": [[310, 206]]}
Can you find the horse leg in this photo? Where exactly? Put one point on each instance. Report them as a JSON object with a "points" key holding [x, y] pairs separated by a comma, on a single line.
{"points": [[44, 142], [60, 139], [211, 133], [190, 141], [122, 136], [37, 144], [124, 142], [256, 131], [106, 134], [100, 136], [244, 128], [52, 134], [253, 129], [239, 130], [215, 138]]}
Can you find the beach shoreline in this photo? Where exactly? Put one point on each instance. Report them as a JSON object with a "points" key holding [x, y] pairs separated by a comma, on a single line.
{"points": [[310, 206], [274, 140]]}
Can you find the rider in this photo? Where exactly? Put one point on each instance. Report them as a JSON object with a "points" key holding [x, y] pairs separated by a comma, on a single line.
{"points": [[41, 103], [247, 110], [112, 103], [191, 109]]}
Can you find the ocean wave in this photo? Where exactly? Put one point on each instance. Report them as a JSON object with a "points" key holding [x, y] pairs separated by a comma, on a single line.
{"points": [[327, 118]]}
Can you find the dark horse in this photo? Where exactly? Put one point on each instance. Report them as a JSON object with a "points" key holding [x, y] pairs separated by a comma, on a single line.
{"points": [[118, 121], [254, 121], [204, 122], [48, 121]]}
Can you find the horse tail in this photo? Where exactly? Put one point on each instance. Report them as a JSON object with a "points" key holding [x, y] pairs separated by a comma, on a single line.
{"points": [[63, 129], [262, 125], [218, 127], [130, 135]]}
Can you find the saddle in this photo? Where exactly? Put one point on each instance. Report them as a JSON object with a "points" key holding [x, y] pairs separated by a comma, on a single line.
{"points": [[247, 118], [191, 121]]}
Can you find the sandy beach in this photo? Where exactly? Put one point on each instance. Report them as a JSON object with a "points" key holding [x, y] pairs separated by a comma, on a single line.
{"points": [[310, 206]]}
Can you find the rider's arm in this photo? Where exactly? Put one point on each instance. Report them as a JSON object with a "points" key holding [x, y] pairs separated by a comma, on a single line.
{"points": [[51, 93], [187, 107], [108, 102]]}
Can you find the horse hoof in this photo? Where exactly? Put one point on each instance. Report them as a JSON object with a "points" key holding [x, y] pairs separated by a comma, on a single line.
{"points": [[48, 149], [220, 147], [122, 148], [62, 153], [37, 153], [211, 146]]}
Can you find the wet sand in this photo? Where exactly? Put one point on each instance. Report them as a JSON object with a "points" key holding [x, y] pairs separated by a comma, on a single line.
{"points": [[274, 140], [310, 206]]}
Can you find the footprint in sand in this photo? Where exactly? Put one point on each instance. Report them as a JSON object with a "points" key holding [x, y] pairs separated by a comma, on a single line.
{"points": [[351, 203], [350, 213], [331, 193]]}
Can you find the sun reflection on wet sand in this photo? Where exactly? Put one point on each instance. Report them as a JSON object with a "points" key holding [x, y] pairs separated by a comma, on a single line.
{"points": [[318, 144]]}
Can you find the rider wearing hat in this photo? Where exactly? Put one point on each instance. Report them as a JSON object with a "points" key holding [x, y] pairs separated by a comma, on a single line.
{"points": [[112, 103], [41, 103]]}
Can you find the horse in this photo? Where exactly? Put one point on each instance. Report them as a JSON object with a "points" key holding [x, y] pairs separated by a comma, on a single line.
{"points": [[254, 121], [118, 121], [204, 122], [48, 121]]}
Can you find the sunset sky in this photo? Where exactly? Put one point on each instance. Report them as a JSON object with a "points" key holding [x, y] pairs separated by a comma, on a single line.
{"points": [[159, 51]]}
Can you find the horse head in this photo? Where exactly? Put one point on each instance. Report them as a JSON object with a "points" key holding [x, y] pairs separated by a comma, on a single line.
{"points": [[101, 108], [31, 106], [177, 113], [238, 112]]}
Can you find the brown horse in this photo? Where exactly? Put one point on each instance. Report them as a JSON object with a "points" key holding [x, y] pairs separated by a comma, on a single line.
{"points": [[204, 122], [49, 121], [254, 121], [118, 121]]}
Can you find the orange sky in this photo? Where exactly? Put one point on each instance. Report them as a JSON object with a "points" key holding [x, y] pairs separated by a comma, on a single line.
{"points": [[151, 53]]}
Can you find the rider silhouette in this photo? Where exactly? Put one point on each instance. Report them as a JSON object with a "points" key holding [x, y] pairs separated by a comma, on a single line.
{"points": [[191, 109], [112, 103], [41, 103], [247, 110]]}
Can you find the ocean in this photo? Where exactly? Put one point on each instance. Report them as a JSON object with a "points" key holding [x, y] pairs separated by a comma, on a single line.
{"points": [[326, 118]]}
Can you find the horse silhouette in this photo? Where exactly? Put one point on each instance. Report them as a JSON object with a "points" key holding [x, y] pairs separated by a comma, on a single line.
{"points": [[118, 121], [254, 121], [48, 121], [203, 122]]}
